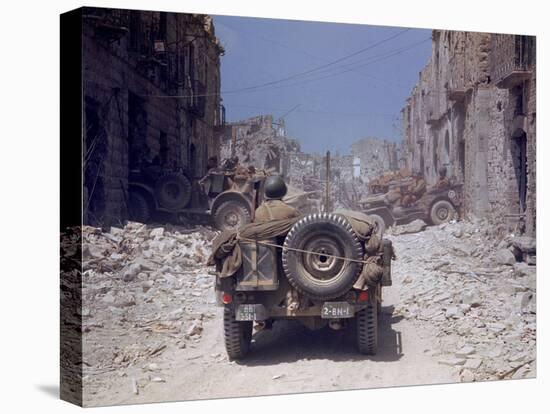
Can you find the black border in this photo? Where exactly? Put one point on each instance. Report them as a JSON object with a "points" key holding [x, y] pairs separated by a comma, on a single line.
{"points": [[71, 389]]}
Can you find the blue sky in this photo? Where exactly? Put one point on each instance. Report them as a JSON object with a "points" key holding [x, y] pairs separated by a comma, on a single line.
{"points": [[275, 66]]}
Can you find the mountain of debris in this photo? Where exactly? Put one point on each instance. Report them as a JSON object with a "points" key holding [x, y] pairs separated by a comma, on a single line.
{"points": [[467, 284], [143, 290]]}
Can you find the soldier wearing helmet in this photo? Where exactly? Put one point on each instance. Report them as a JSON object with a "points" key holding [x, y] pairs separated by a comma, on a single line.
{"points": [[415, 191], [274, 208]]}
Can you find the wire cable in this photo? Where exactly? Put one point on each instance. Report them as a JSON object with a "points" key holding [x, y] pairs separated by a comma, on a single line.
{"points": [[297, 75]]}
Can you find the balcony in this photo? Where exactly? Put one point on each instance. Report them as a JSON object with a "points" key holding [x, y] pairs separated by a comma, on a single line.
{"points": [[512, 59], [219, 126], [456, 87], [456, 91], [433, 108]]}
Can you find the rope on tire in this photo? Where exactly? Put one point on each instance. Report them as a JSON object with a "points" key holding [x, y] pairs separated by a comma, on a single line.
{"points": [[265, 243]]}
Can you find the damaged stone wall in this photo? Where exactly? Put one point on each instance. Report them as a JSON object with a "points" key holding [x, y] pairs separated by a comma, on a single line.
{"points": [[133, 62], [260, 142], [473, 112], [350, 173], [374, 156]]}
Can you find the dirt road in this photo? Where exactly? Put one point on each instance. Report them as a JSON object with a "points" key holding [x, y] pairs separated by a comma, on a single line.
{"points": [[288, 359]]}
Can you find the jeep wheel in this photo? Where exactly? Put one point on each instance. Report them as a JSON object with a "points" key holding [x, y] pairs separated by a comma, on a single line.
{"points": [[231, 215], [442, 212], [318, 275], [173, 191], [138, 207], [367, 329], [237, 335]]}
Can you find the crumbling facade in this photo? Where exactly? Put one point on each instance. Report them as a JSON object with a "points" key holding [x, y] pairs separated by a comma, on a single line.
{"points": [[151, 87], [473, 111], [260, 142], [349, 173], [373, 156]]}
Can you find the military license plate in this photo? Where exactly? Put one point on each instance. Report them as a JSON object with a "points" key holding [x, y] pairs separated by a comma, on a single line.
{"points": [[250, 312], [336, 310]]}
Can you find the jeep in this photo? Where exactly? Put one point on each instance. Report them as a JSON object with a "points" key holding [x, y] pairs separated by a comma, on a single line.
{"points": [[308, 274]]}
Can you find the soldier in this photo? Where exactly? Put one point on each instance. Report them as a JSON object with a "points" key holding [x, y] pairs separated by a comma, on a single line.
{"points": [[212, 163], [230, 164], [415, 191], [442, 182], [274, 208]]}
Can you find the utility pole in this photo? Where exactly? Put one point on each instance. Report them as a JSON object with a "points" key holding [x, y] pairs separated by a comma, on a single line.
{"points": [[233, 141], [327, 184]]}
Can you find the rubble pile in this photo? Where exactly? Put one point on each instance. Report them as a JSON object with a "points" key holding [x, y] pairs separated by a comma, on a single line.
{"points": [[260, 142], [144, 290], [148, 301], [375, 156], [466, 283], [308, 173]]}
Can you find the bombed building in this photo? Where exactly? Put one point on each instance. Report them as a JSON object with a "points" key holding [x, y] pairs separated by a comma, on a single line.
{"points": [[151, 96], [473, 111], [373, 156], [261, 142]]}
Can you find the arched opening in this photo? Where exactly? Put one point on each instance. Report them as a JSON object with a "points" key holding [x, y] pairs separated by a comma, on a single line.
{"points": [[447, 148], [519, 159]]}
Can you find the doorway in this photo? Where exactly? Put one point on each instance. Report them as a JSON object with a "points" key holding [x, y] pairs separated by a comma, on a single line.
{"points": [[519, 159], [462, 158]]}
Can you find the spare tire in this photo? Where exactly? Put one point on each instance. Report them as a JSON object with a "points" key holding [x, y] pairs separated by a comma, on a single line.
{"points": [[231, 215], [315, 274], [173, 191]]}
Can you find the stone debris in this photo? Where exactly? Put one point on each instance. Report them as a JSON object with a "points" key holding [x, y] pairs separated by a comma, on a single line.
{"points": [[505, 257], [472, 363], [452, 361], [195, 328], [526, 248], [144, 290], [147, 295], [157, 379], [135, 388], [465, 351], [413, 227], [481, 302], [467, 376]]}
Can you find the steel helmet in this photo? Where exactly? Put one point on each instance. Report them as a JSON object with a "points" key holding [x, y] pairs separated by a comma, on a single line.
{"points": [[274, 187]]}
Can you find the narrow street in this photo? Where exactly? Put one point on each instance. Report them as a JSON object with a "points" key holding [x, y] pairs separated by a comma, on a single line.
{"points": [[448, 317]]}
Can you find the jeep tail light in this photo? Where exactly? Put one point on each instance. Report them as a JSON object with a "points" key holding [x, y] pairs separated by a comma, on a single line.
{"points": [[227, 298], [363, 296]]}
